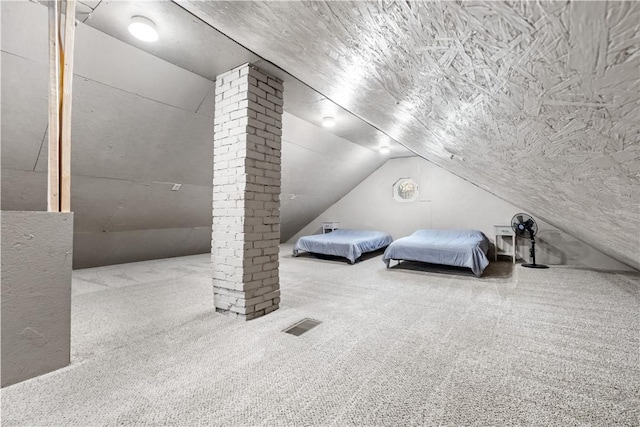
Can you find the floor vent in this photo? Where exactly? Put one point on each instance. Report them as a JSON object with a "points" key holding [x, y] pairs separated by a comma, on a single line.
{"points": [[302, 326]]}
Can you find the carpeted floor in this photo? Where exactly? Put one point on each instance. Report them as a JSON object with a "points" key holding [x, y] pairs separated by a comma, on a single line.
{"points": [[405, 346]]}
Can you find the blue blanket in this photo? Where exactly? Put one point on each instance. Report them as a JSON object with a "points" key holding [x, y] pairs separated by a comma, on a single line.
{"points": [[461, 248], [350, 244]]}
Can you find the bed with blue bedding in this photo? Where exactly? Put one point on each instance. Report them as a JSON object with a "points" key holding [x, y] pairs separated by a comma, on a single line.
{"points": [[347, 243], [460, 248]]}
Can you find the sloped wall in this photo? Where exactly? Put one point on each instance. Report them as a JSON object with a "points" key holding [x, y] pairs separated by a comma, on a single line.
{"points": [[139, 126], [318, 168], [447, 201]]}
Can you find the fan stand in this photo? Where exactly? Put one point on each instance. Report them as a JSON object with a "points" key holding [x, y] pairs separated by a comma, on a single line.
{"points": [[533, 255]]}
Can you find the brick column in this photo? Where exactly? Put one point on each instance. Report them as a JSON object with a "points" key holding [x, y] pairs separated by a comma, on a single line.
{"points": [[246, 192]]}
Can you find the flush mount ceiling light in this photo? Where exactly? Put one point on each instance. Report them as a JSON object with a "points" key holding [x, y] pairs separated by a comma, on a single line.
{"points": [[328, 122], [143, 28], [384, 150]]}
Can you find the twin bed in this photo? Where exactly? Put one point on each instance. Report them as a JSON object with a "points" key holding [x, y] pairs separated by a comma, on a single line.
{"points": [[460, 248], [350, 244]]}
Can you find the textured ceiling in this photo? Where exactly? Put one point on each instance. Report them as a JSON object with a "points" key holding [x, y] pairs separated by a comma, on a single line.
{"points": [[191, 44], [536, 102]]}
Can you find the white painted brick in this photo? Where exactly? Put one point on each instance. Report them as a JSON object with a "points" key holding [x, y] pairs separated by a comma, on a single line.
{"points": [[271, 295], [239, 82], [266, 119], [253, 221], [256, 139], [261, 260], [238, 245], [253, 253], [266, 104], [274, 114], [255, 300], [273, 190], [265, 134], [230, 124], [266, 88], [274, 160], [274, 99], [263, 305], [240, 129], [259, 75], [271, 235], [259, 92], [246, 177], [241, 310], [221, 86], [275, 83], [272, 174], [255, 106], [273, 308], [244, 69], [237, 114], [232, 107], [268, 266], [262, 228], [264, 289], [274, 130], [232, 90], [261, 275], [271, 281], [228, 100], [234, 262], [252, 269], [256, 156], [233, 71], [262, 244], [220, 118], [253, 237], [270, 250], [252, 284], [256, 188]]}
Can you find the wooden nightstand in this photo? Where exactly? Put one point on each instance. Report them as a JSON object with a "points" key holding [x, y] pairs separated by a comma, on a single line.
{"points": [[502, 247]]}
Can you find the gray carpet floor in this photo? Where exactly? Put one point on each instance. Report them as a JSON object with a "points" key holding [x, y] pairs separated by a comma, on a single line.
{"points": [[405, 346]]}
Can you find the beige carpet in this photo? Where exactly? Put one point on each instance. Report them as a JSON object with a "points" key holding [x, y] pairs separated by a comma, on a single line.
{"points": [[396, 347]]}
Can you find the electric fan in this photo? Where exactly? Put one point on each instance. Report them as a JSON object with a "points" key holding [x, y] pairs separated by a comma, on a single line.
{"points": [[522, 225]]}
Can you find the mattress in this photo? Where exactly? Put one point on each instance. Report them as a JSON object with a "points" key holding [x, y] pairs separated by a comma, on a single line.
{"points": [[347, 243], [460, 248]]}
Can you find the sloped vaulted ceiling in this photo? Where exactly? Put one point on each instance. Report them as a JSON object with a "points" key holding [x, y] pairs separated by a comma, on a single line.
{"points": [[536, 102]]}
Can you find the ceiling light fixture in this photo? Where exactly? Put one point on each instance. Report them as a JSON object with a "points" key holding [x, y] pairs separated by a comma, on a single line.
{"points": [[328, 122], [143, 28], [384, 150]]}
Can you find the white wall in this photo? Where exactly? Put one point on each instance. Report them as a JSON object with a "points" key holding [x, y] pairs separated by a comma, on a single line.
{"points": [[446, 201], [37, 250]]}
